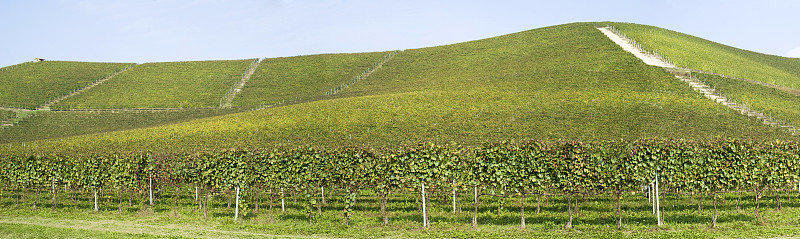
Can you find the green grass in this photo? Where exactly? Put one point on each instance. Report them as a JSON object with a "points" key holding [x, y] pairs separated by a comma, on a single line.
{"points": [[164, 85], [561, 82], [780, 104], [57, 124], [30, 85], [497, 217], [14, 230], [697, 53], [302, 77]]}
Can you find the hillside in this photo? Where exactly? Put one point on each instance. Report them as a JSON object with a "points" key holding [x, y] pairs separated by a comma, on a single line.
{"points": [[561, 82], [30, 85], [58, 124], [163, 85], [697, 53], [780, 104], [302, 77], [309, 78]]}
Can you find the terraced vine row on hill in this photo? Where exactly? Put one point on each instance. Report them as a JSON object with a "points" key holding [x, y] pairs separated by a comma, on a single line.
{"points": [[97, 82], [59, 124], [301, 77], [696, 53], [497, 169], [363, 74], [191, 84], [777, 107], [653, 58], [30, 85], [227, 100]]}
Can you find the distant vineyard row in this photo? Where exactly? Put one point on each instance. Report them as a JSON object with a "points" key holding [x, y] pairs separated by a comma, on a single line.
{"points": [[57, 124], [190, 84], [32, 84], [693, 52], [501, 169]]}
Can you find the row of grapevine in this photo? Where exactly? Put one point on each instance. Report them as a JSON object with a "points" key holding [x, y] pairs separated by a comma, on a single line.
{"points": [[506, 169], [12, 67]]}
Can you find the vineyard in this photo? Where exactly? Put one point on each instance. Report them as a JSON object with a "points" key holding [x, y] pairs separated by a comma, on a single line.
{"points": [[553, 132], [579, 87], [777, 103], [696, 53], [505, 171], [6, 115], [190, 84], [302, 77], [59, 124], [30, 85]]}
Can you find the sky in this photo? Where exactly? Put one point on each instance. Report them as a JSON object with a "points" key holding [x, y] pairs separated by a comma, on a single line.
{"points": [[155, 30]]}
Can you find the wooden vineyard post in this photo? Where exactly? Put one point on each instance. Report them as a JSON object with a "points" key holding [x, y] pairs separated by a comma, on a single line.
{"points": [[195, 193], [283, 206]]}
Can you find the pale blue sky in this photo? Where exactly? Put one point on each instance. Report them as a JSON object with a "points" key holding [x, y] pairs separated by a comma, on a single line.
{"points": [[151, 30]]}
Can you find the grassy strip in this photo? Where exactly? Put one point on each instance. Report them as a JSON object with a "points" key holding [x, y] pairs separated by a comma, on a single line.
{"points": [[498, 217], [19, 230]]}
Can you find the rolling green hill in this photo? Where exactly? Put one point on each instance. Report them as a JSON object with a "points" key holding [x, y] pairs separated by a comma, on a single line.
{"points": [[30, 85], [697, 53], [561, 82], [187, 84], [302, 77]]}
